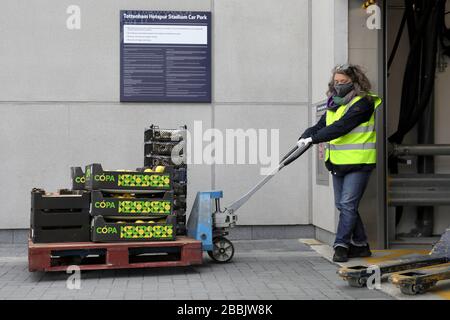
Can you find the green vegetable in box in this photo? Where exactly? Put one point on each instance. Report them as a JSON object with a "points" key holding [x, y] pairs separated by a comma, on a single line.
{"points": [[144, 207], [137, 180], [146, 232]]}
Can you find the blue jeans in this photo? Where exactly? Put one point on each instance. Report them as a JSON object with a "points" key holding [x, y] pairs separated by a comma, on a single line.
{"points": [[348, 191]]}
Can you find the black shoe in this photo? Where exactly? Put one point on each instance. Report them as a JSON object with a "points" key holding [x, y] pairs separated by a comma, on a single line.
{"points": [[359, 252], [340, 254]]}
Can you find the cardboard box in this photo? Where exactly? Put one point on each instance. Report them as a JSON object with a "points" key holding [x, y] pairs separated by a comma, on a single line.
{"points": [[128, 181], [112, 231], [78, 178], [161, 205]]}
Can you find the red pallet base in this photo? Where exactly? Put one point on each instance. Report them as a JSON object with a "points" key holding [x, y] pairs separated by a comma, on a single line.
{"points": [[117, 254]]}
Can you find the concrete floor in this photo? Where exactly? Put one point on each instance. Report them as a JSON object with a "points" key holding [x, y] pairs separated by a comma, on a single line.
{"points": [[261, 269]]}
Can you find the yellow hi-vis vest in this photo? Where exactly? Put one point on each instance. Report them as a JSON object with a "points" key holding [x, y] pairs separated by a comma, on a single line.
{"points": [[359, 145]]}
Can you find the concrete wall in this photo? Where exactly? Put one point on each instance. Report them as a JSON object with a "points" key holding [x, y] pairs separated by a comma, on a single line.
{"points": [[262, 82], [59, 98], [329, 45]]}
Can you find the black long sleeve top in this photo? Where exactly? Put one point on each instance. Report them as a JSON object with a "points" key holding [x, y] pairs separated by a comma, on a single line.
{"points": [[359, 112]]}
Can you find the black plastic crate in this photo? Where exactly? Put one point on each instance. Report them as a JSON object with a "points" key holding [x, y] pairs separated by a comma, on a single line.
{"points": [[131, 206], [63, 199], [80, 233], [179, 212], [164, 148], [152, 160], [127, 181], [78, 178], [60, 217], [104, 230], [179, 202], [181, 221], [179, 188], [181, 227], [180, 174], [155, 133]]}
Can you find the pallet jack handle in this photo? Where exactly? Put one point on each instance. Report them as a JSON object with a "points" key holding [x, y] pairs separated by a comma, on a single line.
{"points": [[293, 155], [290, 157]]}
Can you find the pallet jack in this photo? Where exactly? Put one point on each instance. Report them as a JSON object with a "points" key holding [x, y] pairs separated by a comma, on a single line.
{"points": [[207, 231], [414, 275], [210, 224]]}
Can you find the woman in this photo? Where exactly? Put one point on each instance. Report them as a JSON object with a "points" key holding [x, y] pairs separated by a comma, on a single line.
{"points": [[348, 127]]}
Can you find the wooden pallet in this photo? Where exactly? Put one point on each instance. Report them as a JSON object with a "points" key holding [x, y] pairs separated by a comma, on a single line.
{"points": [[184, 251]]}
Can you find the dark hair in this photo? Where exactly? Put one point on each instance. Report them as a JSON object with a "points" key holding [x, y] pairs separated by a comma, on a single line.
{"points": [[356, 74]]}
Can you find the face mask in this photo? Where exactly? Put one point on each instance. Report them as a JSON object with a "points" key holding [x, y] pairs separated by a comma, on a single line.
{"points": [[343, 89]]}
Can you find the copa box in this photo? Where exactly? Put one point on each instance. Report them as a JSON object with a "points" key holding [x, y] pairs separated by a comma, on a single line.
{"points": [[60, 217], [126, 180], [156, 204], [104, 230], [78, 178]]}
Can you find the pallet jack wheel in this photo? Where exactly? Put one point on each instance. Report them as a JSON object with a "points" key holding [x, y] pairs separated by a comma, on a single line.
{"points": [[410, 289], [413, 289], [223, 250], [357, 282]]}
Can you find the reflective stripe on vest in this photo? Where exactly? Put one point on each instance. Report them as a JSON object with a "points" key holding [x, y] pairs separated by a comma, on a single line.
{"points": [[357, 146], [360, 146]]}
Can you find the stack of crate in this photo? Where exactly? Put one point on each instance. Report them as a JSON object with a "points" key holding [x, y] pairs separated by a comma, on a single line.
{"points": [[59, 217], [129, 205], [167, 147]]}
